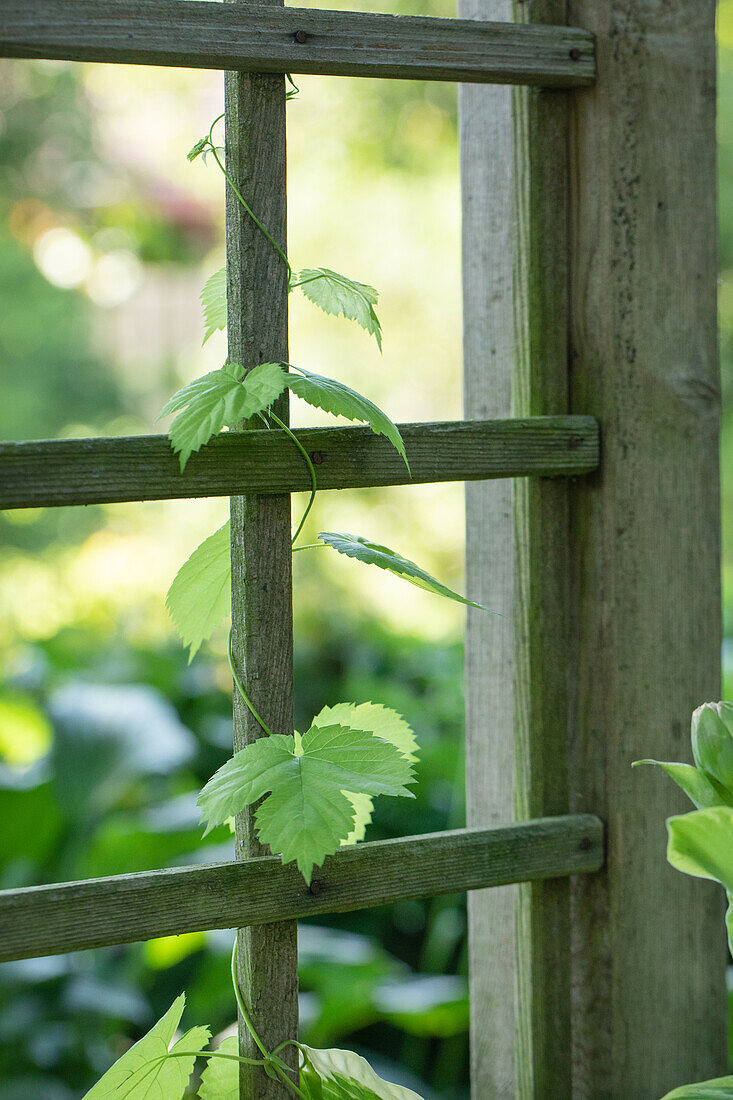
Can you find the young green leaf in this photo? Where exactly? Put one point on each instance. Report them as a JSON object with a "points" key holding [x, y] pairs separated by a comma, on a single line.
{"points": [[342, 297], [220, 1078], [200, 595], [693, 782], [198, 148], [220, 398], [214, 302], [334, 397], [306, 815], [346, 1076], [381, 722], [712, 743], [371, 553], [718, 1088], [144, 1073]]}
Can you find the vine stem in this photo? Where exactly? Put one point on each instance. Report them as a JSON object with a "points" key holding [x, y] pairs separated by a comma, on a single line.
{"points": [[244, 203], [242, 692], [311, 468], [242, 1007], [270, 1059]]}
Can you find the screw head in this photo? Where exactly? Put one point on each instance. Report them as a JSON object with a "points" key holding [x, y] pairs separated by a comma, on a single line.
{"points": [[575, 54], [300, 37], [315, 887], [317, 457]]}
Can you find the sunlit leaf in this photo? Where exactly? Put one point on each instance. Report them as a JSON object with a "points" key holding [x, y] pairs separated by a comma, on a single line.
{"points": [[144, 1073], [342, 297], [221, 398], [382, 722], [306, 815], [334, 397], [693, 782], [220, 1078], [347, 1076], [371, 553], [214, 302], [200, 595], [363, 806], [372, 718]]}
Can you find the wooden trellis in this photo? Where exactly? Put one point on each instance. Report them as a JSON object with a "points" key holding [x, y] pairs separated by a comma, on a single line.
{"points": [[594, 183]]}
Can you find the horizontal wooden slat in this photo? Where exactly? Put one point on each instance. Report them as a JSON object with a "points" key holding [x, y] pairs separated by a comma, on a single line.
{"points": [[49, 920], [95, 471], [257, 38]]}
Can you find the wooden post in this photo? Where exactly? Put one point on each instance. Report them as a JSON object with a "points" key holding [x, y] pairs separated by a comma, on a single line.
{"points": [[261, 555], [649, 1009]]}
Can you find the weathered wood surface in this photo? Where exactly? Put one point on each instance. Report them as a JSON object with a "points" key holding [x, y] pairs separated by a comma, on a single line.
{"points": [[45, 920], [649, 954], [261, 38], [262, 588], [46, 473], [485, 119], [540, 155]]}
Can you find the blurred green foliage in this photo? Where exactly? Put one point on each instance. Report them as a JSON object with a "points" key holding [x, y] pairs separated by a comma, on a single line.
{"points": [[129, 736]]}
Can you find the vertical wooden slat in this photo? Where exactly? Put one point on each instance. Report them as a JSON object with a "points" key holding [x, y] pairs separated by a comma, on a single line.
{"points": [[541, 576], [261, 555], [485, 116], [514, 168], [649, 984]]}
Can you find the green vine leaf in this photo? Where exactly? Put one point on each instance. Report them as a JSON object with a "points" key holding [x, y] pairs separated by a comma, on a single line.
{"points": [[341, 297], [334, 397], [214, 302], [381, 722], [218, 399], [306, 815], [144, 1073], [200, 595], [346, 1076], [220, 1078], [372, 553]]}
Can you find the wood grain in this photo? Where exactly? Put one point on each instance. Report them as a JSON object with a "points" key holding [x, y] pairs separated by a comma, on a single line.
{"points": [[261, 38], [262, 588], [45, 920], [540, 154], [650, 952], [47, 473], [487, 182]]}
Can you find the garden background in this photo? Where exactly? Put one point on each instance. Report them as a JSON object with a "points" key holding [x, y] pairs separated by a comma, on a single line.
{"points": [[107, 234]]}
